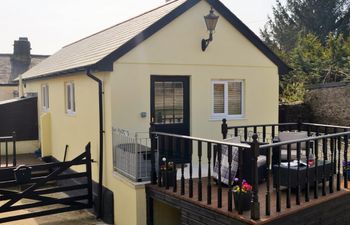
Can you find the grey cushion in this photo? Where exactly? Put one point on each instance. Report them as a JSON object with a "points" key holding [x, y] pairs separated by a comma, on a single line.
{"points": [[293, 154], [233, 140], [289, 136]]}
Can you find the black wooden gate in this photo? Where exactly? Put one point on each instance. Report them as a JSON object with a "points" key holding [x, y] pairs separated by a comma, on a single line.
{"points": [[38, 190]]}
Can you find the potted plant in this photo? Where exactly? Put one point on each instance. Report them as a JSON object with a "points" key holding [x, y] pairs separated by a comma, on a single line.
{"points": [[242, 195], [168, 172], [346, 168]]}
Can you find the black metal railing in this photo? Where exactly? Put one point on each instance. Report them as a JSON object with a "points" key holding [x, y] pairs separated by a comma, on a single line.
{"points": [[5, 147], [267, 132], [314, 165], [166, 143], [326, 166]]}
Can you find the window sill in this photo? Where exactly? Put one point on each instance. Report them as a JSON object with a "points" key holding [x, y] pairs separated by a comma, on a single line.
{"points": [[71, 114], [228, 118]]}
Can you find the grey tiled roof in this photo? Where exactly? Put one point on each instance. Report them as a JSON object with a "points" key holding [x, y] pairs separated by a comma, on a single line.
{"points": [[92, 49], [5, 66]]}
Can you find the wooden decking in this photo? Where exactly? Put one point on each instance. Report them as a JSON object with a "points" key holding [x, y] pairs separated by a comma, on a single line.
{"points": [[22, 159], [245, 217]]}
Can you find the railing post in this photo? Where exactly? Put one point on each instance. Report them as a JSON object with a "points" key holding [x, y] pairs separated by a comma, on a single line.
{"points": [[153, 158], [224, 129], [14, 155], [345, 172], [255, 209], [88, 172], [299, 125]]}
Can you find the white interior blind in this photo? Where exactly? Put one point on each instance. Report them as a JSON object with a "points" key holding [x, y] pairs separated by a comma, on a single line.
{"points": [[234, 98], [70, 98], [227, 98], [219, 98], [45, 96]]}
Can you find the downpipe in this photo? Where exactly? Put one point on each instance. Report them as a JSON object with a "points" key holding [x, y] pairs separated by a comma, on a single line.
{"points": [[101, 131]]}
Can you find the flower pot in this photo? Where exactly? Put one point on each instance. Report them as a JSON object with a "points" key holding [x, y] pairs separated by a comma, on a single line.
{"points": [[243, 200]]}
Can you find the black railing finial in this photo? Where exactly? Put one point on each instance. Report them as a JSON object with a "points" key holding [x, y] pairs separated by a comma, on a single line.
{"points": [[224, 128]]}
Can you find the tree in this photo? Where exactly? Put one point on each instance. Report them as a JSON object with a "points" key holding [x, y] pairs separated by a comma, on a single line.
{"points": [[314, 62], [300, 17]]}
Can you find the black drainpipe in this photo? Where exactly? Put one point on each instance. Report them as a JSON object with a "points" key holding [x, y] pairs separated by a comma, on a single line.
{"points": [[100, 172]]}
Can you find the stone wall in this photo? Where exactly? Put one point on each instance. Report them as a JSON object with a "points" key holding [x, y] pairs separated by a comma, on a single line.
{"points": [[330, 104]]}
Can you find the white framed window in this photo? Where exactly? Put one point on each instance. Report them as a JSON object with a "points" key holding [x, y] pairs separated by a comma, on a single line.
{"points": [[45, 97], [227, 99], [70, 97]]}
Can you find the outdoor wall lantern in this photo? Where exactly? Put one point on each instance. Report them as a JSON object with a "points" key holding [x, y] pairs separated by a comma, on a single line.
{"points": [[210, 20]]}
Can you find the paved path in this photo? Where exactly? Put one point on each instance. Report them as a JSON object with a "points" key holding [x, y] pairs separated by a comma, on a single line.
{"points": [[80, 217]]}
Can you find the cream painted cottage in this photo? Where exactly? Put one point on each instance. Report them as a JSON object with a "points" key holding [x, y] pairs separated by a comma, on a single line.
{"points": [[152, 69]]}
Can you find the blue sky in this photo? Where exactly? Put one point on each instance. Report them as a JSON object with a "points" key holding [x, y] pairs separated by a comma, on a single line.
{"points": [[51, 24]]}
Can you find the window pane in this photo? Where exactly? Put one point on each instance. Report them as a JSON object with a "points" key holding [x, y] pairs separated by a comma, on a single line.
{"points": [[43, 95], [178, 102], [234, 98], [47, 96], [158, 101], [73, 97], [69, 104], [219, 98], [168, 106], [168, 102]]}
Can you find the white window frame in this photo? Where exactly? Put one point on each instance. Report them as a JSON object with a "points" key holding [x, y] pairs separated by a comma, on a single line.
{"points": [[45, 97], [72, 109], [219, 116]]}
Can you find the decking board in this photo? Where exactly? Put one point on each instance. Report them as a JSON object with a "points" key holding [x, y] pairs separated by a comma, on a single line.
{"points": [[246, 215]]}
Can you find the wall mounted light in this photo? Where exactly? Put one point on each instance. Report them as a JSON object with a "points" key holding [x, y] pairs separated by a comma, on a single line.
{"points": [[210, 20]]}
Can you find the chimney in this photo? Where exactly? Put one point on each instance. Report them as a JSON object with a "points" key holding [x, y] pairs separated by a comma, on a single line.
{"points": [[21, 58]]}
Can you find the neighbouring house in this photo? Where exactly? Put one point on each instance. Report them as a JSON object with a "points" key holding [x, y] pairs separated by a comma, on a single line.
{"points": [[12, 65], [13, 115], [151, 69]]}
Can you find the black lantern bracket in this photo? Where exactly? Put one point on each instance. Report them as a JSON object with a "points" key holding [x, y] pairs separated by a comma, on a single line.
{"points": [[210, 21]]}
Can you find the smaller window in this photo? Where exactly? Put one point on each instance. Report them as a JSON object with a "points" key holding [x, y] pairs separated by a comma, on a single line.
{"points": [[70, 98], [45, 97], [227, 97]]}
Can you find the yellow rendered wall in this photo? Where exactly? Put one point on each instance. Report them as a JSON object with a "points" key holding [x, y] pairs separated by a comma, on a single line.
{"points": [[165, 214], [72, 130], [6, 92], [58, 129], [175, 50], [22, 147], [129, 201], [45, 134]]}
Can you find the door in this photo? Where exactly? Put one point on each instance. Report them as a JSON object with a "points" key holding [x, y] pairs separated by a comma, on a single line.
{"points": [[170, 111]]}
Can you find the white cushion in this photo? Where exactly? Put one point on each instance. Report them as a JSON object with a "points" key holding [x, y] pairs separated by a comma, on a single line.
{"points": [[293, 154], [289, 136], [261, 160], [236, 140]]}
